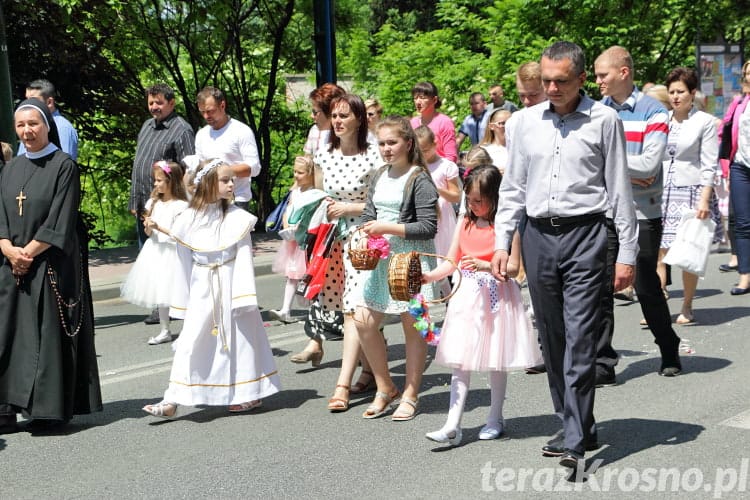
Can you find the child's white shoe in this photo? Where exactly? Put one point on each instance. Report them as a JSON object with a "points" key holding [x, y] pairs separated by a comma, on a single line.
{"points": [[491, 431], [282, 316], [452, 437], [163, 337]]}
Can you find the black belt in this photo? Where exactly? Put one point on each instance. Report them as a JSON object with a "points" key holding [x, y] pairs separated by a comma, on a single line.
{"points": [[565, 221]]}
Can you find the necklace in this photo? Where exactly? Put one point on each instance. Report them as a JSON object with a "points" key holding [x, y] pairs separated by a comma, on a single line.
{"points": [[21, 197]]}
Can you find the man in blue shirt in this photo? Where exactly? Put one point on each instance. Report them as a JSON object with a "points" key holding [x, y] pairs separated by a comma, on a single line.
{"points": [[45, 92], [474, 124]]}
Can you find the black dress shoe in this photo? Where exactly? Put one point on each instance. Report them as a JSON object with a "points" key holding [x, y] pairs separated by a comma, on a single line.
{"points": [[739, 291], [46, 426], [535, 370], [605, 377], [153, 319], [555, 447], [726, 268], [8, 424], [570, 460]]}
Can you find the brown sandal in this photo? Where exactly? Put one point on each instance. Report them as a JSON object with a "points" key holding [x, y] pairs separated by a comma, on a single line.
{"points": [[336, 405], [361, 387]]}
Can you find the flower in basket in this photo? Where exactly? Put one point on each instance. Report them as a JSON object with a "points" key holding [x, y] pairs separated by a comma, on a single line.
{"points": [[423, 323], [380, 244]]}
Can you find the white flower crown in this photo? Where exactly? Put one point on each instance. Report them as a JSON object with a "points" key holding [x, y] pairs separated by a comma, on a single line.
{"points": [[207, 169]]}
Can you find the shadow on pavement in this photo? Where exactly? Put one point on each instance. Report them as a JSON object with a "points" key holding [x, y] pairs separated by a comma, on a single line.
{"points": [[690, 364], [117, 320], [625, 437]]}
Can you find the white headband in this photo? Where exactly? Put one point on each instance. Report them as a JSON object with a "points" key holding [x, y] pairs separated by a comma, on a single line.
{"points": [[41, 112], [207, 169]]}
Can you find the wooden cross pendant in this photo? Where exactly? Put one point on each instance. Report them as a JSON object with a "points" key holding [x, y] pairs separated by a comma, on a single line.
{"points": [[20, 199]]}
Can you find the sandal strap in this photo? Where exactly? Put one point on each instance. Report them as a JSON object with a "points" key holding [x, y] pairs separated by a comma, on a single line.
{"points": [[411, 402]]}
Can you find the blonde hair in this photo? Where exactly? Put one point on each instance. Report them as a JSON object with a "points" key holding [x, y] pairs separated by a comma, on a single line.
{"points": [[7, 151], [476, 156], [307, 163], [489, 134], [660, 93]]}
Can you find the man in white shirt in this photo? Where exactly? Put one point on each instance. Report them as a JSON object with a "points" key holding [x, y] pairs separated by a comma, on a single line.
{"points": [[227, 139]]}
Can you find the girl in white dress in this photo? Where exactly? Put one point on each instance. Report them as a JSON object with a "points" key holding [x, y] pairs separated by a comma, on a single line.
{"points": [[149, 283], [222, 356], [486, 327]]}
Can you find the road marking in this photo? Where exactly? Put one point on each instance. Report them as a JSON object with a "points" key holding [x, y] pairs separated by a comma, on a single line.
{"points": [[741, 420], [131, 372]]}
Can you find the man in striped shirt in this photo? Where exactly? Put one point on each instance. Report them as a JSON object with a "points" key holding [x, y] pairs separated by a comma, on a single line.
{"points": [[646, 127], [165, 136]]}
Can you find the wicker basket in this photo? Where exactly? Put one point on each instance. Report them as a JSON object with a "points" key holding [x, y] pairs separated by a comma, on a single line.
{"points": [[405, 276], [362, 258]]}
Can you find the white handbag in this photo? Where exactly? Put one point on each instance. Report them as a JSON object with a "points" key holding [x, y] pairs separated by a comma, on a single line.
{"points": [[692, 244]]}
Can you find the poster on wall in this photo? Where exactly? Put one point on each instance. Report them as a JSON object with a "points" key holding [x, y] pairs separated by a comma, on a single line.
{"points": [[719, 68]]}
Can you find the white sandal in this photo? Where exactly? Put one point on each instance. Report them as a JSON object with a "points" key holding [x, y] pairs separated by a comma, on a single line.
{"points": [[245, 407], [160, 409]]}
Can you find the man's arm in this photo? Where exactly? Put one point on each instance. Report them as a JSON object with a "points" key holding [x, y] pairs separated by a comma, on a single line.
{"points": [[250, 165], [649, 162], [620, 193]]}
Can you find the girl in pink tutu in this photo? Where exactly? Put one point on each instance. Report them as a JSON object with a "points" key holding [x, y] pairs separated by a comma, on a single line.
{"points": [[486, 327], [290, 258]]}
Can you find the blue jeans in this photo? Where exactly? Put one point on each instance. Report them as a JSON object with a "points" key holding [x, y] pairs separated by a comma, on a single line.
{"points": [[739, 192]]}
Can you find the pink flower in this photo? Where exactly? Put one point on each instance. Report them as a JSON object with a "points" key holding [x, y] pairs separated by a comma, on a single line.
{"points": [[381, 244]]}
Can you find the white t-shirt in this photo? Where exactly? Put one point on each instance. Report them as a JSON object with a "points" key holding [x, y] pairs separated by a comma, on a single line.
{"points": [[233, 143]]}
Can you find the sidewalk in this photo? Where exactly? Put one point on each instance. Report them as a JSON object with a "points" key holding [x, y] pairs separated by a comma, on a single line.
{"points": [[108, 268]]}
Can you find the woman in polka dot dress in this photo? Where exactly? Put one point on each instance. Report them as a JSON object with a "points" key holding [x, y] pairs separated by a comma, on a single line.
{"points": [[486, 327], [344, 170]]}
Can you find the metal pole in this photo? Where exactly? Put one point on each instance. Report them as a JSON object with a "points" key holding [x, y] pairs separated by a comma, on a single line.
{"points": [[7, 131], [325, 42]]}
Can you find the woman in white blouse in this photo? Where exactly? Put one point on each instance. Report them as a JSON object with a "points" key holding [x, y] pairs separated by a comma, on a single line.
{"points": [[690, 164]]}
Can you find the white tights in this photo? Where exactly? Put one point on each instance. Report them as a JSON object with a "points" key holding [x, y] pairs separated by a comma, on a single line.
{"points": [[459, 389], [289, 291], [164, 317]]}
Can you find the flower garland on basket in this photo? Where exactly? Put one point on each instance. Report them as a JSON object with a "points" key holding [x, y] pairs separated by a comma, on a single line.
{"points": [[424, 324]]}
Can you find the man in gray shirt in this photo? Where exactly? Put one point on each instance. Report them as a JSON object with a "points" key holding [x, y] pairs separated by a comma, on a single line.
{"points": [[567, 166]]}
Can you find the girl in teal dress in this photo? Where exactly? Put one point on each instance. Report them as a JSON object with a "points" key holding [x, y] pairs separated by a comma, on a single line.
{"points": [[401, 206]]}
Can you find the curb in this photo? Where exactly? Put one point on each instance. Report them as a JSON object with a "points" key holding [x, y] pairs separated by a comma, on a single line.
{"points": [[111, 290]]}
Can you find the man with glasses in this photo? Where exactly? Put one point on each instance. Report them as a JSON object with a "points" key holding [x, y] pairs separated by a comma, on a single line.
{"points": [[567, 167]]}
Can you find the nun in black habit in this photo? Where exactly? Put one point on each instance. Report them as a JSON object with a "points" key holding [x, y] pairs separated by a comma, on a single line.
{"points": [[48, 369]]}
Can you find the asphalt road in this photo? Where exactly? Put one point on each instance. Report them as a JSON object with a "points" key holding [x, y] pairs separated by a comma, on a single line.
{"points": [[685, 437]]}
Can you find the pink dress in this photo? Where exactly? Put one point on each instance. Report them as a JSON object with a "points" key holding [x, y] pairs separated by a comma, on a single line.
{"points": [[290, 259], [442, 172], [486, 327], [445, 135]]}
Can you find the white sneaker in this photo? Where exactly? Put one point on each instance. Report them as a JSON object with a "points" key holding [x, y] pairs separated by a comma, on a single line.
{"points": [[163, 337]]}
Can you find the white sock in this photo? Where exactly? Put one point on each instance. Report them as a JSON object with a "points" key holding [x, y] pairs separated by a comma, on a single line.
{"points": [[498, 384], [289, 290], [164, 318], [459, 388]]}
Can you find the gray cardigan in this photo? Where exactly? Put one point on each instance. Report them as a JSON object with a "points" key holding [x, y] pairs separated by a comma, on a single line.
{"points": [[419, 207]]}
